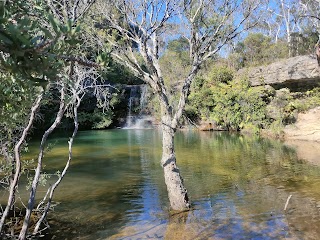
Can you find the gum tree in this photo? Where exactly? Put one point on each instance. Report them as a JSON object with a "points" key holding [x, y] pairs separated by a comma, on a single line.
{"points": [[140, 30], [282, 18]]}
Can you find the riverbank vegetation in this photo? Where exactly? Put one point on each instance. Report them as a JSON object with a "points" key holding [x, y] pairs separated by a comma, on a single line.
{"points": [[226, 98]]}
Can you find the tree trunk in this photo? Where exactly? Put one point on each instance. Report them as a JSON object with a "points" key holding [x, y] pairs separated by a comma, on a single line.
{"points": [[34, 185], [56, 184], [177, 193], [17, 161]]}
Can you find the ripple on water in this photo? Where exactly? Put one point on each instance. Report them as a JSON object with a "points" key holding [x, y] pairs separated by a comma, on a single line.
{"points": [[238, 186]]}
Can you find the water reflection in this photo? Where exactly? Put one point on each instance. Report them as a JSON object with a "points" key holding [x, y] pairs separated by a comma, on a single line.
{"points": [[238, 186]]}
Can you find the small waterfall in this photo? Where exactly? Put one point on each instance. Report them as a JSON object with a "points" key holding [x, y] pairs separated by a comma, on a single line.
{"points": [[132, 97], [136, 103]]}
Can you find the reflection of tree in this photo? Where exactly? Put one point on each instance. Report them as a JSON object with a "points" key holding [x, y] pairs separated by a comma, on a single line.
{"points": [[255, 214], [179, 228], [239, 186]]}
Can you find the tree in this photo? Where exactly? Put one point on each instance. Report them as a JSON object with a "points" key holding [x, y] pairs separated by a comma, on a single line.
{"points": [[282, 16], [207, 25], [175, 65], [257, 49], [39, 54], [309, 12]]}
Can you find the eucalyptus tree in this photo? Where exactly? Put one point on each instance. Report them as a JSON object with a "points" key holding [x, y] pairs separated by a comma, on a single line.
{"points": [[40, 51], [282, 19], [310, 13], [140, 26]]}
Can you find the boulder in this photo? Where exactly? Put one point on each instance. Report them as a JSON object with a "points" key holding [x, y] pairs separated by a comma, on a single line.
{"points": [[210, 126], [296, 71]]}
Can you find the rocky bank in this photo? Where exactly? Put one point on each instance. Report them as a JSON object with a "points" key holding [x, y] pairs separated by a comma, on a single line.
{"points": [[296, 73], [307, 126], [304, 136]]}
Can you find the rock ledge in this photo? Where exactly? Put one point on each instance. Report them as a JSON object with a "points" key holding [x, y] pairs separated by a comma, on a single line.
{"points": [[300, 70]]}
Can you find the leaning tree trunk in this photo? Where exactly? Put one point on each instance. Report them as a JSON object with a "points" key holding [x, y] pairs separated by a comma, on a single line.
{"points": [[17, 161], [177, 193], [35, 182]]}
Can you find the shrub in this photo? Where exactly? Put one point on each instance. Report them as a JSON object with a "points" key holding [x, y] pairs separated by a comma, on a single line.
{"points": [[230, 103]]}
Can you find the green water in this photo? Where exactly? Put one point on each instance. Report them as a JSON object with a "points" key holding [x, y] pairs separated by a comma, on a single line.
{"points": [[238, 187]]}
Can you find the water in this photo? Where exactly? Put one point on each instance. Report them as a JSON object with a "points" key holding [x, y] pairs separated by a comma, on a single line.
{"points": [[136, 117], [238, 187]]}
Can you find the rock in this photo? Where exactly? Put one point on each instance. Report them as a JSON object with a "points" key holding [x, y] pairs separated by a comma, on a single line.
{"points": [[306, 127], [210, 126], [298, 71]]}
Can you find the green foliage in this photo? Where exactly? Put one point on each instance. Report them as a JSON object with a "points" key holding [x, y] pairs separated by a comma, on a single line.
{"points": [[285, 106], [179, 45], [201, 100], [30, 46], [175, 66], [237, 105], [119, 74], [280, 106], [307, 100], [202, 96], [220, 74], [257, 49], [30, 55], [304, 42], [231, 103], [97, 120]]}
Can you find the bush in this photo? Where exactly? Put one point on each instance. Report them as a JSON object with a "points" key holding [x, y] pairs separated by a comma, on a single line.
{"points": [[96, 120], [237, 105], [230, 103]]}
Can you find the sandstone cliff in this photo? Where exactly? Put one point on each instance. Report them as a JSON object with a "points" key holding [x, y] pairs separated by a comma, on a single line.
{"points": [[292, 72]]}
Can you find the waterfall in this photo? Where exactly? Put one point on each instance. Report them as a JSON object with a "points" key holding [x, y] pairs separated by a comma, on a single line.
{"points": [[136, 118], [132, 97]]}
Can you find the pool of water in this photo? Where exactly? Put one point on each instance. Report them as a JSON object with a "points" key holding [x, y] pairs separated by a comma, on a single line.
{"points": [[238, 187]]}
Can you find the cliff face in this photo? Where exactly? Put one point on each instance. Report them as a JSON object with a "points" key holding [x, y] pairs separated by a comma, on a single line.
{"points": [[293, 72]]}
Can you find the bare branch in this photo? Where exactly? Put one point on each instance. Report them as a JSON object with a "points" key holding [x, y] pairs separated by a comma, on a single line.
{"points": [[35, 181], [56, 184], [17, 148]]}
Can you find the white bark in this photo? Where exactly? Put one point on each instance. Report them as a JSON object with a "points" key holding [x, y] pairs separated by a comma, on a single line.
{"points": [[177, 193], [56, 184], [310, 13], [283, 14], [149, 21], [69, 9], [76, 88], [62, 108], [17, 149]]}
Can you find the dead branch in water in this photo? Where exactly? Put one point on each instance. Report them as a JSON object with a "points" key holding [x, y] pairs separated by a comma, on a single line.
{"points": [[287, 202]]}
